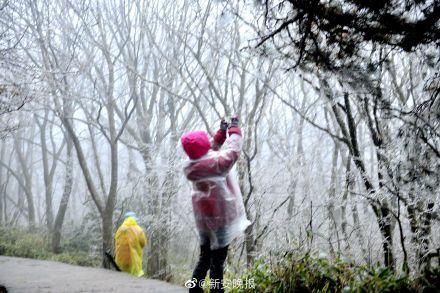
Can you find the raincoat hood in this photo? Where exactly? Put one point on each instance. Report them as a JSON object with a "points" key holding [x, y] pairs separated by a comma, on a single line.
{"points": [[195, 144], [130, 221]]}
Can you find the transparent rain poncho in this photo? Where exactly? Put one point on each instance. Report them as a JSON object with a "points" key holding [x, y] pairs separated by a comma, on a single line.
{"points": [[216, 197]]}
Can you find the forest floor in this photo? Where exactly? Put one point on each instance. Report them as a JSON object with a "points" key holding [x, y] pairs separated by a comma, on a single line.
{"points": [[30, 275]]}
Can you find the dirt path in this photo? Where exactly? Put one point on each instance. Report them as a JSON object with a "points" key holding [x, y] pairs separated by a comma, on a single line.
{"points": [[29, 275]]}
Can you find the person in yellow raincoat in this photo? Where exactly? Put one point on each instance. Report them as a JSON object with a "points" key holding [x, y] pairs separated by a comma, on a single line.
{"points": [[130, 241]]}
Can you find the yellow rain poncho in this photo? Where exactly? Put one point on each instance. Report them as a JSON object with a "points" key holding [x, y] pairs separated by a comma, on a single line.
{"points": [[130, 241]]}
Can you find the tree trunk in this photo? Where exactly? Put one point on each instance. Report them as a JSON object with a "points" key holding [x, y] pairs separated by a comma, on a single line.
{"points": [[107, 216], [297, 166], [2, 182], [347, 187], [46, 172], [381, 209], [250, 248], [27, 188], [152, 189], [107, 235], [68, 184], [333, 226], [243, 165], [157, 261], [385, 226], [425, 232]]}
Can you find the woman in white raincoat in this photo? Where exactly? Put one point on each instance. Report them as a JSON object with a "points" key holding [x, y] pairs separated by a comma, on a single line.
{"points": [[217, 201]]}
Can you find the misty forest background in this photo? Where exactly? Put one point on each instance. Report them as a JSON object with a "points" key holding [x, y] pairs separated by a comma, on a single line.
{"points": [[339, 105]]}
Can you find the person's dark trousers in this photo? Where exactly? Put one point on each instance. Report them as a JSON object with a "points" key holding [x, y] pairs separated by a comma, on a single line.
{"points": [[214, 261]]}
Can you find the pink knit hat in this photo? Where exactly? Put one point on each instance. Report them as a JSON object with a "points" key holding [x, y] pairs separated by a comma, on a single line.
{"points": [[196, 144]]}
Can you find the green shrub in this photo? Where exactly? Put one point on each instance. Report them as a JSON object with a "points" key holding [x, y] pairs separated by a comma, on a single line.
{"points": [[21, 243], [309, 273], [15, 242], [382, 280], [77, 240]]}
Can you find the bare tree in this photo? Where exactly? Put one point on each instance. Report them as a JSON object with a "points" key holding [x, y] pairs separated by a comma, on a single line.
{"points": [[15, 75]]}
